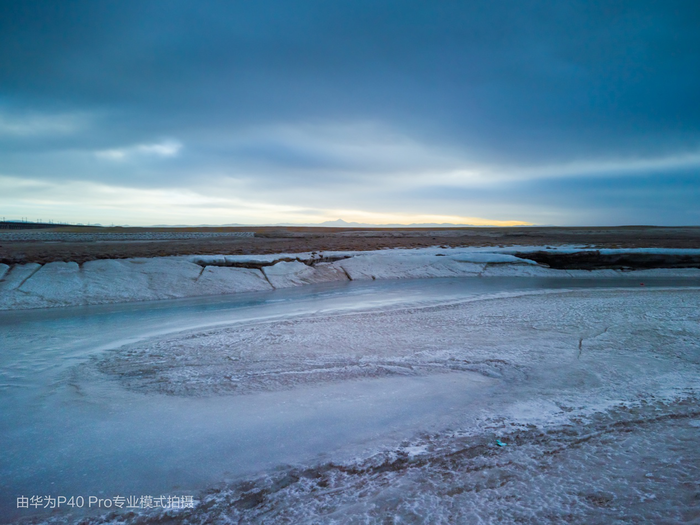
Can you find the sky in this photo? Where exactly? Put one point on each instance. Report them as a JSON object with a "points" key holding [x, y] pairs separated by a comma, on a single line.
{"points": [[377, 111]]}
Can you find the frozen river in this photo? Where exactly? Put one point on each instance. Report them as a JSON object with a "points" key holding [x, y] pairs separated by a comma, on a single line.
{"points": [[361, 401]]}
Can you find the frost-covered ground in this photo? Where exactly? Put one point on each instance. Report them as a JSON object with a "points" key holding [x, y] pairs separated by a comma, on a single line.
{"points": [[331, 407], [57, 284]]}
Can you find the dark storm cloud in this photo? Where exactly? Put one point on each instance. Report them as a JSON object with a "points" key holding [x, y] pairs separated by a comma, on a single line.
{"points": [[515, 85]]}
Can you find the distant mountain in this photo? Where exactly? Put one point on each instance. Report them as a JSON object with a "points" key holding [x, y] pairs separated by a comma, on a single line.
{"points": [[339, 223]]}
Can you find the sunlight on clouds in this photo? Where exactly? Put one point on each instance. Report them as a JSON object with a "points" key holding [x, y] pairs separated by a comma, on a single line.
{"points": [[380, 152], [494, 174], [490, 175], [168, 148], [363, 151], [165, 149], [361, 172], [406, 218], [76, 201]]}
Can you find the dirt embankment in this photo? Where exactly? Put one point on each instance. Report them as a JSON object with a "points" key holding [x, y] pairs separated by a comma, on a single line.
{"points": [[594, 260], [178, 241]]}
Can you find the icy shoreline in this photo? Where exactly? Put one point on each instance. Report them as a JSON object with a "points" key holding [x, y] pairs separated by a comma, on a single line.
{"points": [[593, 392], [57, 284]]}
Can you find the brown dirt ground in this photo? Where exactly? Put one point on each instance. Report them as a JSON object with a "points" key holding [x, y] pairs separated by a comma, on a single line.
{"points": [[307, 239]]}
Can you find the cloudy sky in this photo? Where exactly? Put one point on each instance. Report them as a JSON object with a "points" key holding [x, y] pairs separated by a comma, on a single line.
{"points": [[301, 111]]}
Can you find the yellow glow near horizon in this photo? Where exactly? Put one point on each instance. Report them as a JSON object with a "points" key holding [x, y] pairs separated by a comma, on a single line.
{"points": [[406, 219], [85, 202]]}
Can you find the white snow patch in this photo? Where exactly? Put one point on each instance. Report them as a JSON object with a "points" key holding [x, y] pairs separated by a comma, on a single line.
{"points": [[204, 260], [287, 274], [55, 282], [16, 276], [216, 280], [168, 277], [115, 281], [417, 450], [400, 266]]}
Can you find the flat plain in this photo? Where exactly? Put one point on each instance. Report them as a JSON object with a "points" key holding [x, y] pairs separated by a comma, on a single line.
{"points": [[86, 244]]}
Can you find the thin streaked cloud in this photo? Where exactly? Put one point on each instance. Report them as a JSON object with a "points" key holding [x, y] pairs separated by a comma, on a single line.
{"points": [[168, 148]]}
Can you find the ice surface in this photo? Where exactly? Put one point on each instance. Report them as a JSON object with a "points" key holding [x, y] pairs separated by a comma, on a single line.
{"points": [[309, 410], [598, 274], [519, 270], [592, 398], [295, 412], [497, 338], [633, 465]]}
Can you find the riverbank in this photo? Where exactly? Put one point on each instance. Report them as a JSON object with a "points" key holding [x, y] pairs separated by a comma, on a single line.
{"points": [[104, 281]]}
